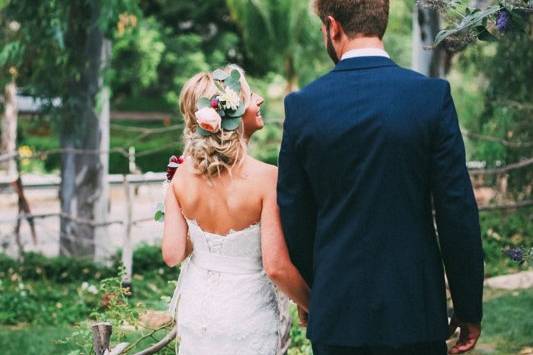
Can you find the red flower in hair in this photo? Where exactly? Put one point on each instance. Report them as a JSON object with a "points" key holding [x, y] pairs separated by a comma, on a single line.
{"points": [[173, 163]]}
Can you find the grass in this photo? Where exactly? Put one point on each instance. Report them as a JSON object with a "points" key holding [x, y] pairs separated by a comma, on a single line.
{"points": [[507, 329], [508, 324], [35, 340]]}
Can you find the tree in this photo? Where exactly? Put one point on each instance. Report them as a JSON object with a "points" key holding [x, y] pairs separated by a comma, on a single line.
{"points": [[62, 53], [8, 142], [282, 35], [173, 41], [425, 59], [507, 110], [85, 126], [9, 127]]}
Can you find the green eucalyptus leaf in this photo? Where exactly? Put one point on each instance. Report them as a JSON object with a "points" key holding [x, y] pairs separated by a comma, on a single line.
{"points": [[485, 35], [442, 36], [231, 124], [238, 112], [473, 19], [204, 102], [159, 216], [203, 132], [219, 74], [233, 84], [235, 75]]}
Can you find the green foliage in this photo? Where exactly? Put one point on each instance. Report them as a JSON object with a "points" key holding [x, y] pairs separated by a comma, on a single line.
{"points": [[180, 39], [502, 230], [468, 23], [41, 290], [507, 322], [44, 302], [398, 36], [473, 20], [281, 36], [505, 108], [300, 345], [137, 54], [147, 259], [163, 144], [46, 68], [38, 134], [265, 144], [35, 340], [115, 308], [56, 269]]}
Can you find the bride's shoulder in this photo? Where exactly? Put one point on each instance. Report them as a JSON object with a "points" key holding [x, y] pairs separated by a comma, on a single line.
{"points": [[264, 174], [184, 171], [263, 169]]}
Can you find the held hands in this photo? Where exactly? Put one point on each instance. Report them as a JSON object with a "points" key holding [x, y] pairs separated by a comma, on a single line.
{"points": [[302, 315], [468, 336]]}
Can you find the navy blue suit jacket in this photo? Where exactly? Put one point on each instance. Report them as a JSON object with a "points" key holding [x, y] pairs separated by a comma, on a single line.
{"points": [[368, 151]]}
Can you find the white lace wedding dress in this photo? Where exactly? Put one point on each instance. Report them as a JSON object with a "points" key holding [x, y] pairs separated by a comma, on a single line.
{"points": [[224, 303]]}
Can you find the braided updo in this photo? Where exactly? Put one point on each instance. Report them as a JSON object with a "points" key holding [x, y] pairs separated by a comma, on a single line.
{"points": [[218, 152]]}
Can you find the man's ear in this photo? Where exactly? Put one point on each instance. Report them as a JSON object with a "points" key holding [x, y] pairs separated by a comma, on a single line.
{"points": [[335, 28]]}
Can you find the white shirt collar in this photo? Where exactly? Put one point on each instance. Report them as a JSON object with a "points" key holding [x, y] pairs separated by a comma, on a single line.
{"points": [[365, 52]]}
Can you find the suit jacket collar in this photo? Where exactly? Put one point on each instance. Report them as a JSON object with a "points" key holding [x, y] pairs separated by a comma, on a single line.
{"points": [[363, 63]]}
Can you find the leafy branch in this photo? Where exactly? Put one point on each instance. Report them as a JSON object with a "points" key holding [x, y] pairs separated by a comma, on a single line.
{"points": [[468, 23]]}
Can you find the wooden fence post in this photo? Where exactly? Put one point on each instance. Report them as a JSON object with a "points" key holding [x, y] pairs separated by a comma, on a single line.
{"points": [[127, 251], [101, 337]]}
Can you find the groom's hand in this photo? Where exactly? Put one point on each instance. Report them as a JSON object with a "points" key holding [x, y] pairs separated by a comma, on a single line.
{"points": [[302, 315], [468, 336]]}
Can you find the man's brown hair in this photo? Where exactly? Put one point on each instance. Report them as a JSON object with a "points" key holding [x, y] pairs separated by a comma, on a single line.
{"points": [[366, 17]]}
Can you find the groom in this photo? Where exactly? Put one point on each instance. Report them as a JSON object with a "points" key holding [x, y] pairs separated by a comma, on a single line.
{"points": [[369, 151]]}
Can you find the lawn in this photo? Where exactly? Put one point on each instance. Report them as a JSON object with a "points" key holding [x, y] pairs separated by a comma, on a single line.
{"points": [[507, 329]]}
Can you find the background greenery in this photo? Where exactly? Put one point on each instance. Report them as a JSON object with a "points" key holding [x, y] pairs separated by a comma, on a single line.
{"points": [[45, 305], [157, 46]]}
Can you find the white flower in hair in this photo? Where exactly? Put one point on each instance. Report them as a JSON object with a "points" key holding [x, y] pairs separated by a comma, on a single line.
{"points": [[230, 99]]}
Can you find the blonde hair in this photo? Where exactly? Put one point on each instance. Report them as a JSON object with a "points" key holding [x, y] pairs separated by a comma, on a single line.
{"points": [[219, 152]]}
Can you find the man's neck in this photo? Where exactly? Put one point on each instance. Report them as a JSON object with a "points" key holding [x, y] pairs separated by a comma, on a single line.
{"points": [[361, 42]]}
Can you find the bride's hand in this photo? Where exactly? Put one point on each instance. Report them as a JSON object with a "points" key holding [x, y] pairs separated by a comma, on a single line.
{"points": [[302, 315]]}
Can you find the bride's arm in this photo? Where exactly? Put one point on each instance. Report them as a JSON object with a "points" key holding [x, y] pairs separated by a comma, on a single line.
{"points": [[175, 245], [276, 260]]}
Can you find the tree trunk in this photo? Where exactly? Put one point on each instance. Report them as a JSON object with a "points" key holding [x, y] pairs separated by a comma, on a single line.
{"points": [[426, 59], [479, 4], [9, 129], [85, 131], [291, 76]]}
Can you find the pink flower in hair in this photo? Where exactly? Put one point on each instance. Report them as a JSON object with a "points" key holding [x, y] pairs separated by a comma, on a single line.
{"points": [[208, 119]]}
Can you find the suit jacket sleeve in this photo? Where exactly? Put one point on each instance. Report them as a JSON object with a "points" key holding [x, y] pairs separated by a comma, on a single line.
{"points": [[295, 200], [456, 215]]}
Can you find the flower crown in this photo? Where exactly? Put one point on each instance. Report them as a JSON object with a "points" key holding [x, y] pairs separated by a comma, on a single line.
{"points": [[223, 110]]}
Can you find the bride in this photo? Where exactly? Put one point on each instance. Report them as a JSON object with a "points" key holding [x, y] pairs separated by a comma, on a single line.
{"points": [[222, 225]]}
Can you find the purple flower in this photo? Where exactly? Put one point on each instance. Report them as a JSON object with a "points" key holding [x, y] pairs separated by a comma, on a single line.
{"points": [[516, 254], [503, 20]]}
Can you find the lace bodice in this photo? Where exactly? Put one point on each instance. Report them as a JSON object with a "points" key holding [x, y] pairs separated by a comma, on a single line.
{"points": [[224, 302], [245, 242]]}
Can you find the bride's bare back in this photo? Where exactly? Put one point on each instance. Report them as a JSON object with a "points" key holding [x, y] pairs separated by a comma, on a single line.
{"points": [[226, 202]]}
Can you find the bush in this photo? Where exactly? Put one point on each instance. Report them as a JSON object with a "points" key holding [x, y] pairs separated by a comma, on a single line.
{"points": [[501, 230], [45, 303], [59, 290], [147, 259], [59, 269]]}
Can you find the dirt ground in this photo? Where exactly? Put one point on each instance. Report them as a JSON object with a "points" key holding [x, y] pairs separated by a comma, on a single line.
{"points": [[45, 200]]}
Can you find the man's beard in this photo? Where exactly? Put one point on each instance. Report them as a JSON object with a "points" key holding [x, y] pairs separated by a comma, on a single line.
{"points": [[329, 47]]}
